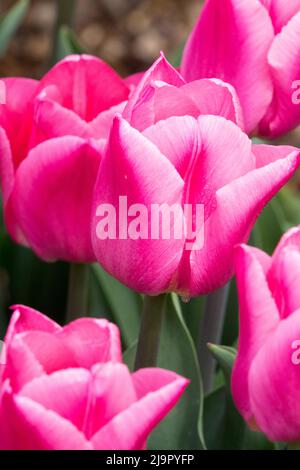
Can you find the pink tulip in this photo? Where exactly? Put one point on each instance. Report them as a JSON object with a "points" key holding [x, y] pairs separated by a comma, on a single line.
{"points": [[266, 378], [254, 46], [66, 388], [48, 188], [207, 162], [162, 92]]}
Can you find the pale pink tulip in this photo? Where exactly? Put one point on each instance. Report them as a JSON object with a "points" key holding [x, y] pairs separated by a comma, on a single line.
{"points": [[254, 46], [266, 375], [66, 388], [207, 161]]}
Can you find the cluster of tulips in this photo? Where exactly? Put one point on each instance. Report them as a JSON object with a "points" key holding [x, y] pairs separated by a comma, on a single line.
{"points": [[81, 137]]}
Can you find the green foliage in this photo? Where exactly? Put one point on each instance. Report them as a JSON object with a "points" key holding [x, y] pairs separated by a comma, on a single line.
{"points": [[10, 22]]}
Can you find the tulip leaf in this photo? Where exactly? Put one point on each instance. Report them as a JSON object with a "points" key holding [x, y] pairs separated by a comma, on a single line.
{"points": [[224, 428], [67, 43], [182, 428], [125, 305], [10, 23], [272, 216]]}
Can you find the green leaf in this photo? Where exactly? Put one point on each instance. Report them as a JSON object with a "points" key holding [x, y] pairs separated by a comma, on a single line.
{"points": [[182, 428], [272, 216], [124, 305], [224, 428], [67, 43], [10, 23], [225, 356]]}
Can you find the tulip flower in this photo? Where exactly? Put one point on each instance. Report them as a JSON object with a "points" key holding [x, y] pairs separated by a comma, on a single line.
{"points": [[253, 45], [67, 389], [266, 379], [207, 164], [47, 188]]}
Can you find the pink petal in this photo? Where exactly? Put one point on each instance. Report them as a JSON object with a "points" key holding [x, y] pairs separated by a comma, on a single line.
{"points": [[217, 98], [265, 154], [231, 38], [21, 364], [32, 427], [160, 70], [16, 115], [92, 341], [53, 120], [140, 170], [274, 383], [159, 101], [130, 428], [57, 227], [87, 85], [238, 205], [284, 59], [281, 11], [111, 393], [258, 317], [133, 80], [25, 319], [66, 392]]}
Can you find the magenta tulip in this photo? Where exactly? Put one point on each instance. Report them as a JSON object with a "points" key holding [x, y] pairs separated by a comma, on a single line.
{"points": [[66, 388], [254, 46], [47, 188], [207, 163], [266, 376]]}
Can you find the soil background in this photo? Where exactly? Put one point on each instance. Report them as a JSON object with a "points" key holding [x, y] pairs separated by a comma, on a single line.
{"points": [[128, 34]]}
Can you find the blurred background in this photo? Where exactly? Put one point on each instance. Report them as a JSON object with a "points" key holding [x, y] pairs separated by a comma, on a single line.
{"points": [[128, 34]]}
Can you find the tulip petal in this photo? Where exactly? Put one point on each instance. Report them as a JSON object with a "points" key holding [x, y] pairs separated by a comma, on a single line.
{"points": [[17, 114], [274, 382], [281, 11], [130, 428], [134, 168], [258, 319], [231, 38], [160, 101], [21, 363], [92, 341], [66, 392], [215, 97], [58, 227], [161, 70], [284, 59], [284, 278], [87, 85], [32, 427], [238, 205]]}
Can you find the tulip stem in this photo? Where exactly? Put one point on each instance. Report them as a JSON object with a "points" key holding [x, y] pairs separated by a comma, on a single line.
{"points": [[149, 338], [210, 332], [78, 291]]}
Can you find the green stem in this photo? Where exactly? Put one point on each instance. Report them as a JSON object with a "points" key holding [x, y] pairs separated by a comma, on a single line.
{"points": [[78, 291], [210, 332], [149, 338], [65, 13]]}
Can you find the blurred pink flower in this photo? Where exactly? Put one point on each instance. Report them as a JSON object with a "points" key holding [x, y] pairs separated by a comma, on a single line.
{"points": [[266, 375], [254, 46], [66, 388], [182, 160]]}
